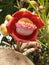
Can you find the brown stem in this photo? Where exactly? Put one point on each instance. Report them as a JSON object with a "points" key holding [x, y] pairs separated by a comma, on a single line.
{"points": [[29, 51], [28, 45], [18, 46], [6, 43]]}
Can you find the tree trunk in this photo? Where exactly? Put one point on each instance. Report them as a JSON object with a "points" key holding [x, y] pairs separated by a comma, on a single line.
{"points": [[12, 57]]}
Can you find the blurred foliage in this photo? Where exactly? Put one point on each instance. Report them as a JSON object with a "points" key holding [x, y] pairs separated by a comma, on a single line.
{"points": [[7, 7]]}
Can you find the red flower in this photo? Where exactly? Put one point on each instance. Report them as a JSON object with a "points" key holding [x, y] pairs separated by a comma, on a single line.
{"points": [[24, 26]]}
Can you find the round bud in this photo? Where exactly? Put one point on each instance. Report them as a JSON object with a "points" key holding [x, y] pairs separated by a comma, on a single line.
{"points": [[41, 7], [23, 9], [4, 30], [8, 17], [32, 3], [0, 27]]}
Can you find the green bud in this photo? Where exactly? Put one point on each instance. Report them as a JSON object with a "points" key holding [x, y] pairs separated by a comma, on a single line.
{"points": [[33, 3]]}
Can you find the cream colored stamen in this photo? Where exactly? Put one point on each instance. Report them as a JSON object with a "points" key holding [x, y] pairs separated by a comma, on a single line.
{"points": [[26, 21]]}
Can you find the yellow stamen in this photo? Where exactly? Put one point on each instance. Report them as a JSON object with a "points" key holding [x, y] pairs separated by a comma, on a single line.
{"points": [[26, 21]]}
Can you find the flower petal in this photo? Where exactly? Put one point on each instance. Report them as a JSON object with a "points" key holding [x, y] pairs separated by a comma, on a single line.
{"points": [[33, 17], [38, 22], [11, 25], [20, 38]]}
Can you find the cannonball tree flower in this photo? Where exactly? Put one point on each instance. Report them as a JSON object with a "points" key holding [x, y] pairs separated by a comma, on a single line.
{"points": [[24, 26]]}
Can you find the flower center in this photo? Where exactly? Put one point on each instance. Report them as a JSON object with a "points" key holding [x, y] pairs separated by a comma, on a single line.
{"points": [[25, 26]]}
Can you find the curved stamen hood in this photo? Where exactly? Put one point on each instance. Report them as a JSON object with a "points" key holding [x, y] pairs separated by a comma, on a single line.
{"points": [[25, 27]]}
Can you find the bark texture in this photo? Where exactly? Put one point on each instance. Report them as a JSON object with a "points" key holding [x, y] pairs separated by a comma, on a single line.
{"points": [[12, 57]]}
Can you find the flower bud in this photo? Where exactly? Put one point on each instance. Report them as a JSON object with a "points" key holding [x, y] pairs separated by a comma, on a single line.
{"points": [[8, 17], [41, 7], [0, 27], [4, 30], [32, 3], [23, 9]]}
